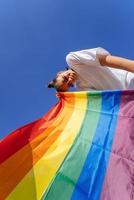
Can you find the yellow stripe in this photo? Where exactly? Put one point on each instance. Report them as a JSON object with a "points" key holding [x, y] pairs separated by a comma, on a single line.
{"points": [[34, 184], [18, 165]]}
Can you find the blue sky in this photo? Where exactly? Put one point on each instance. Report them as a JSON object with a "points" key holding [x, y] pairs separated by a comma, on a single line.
{"points": [[36, 35]]}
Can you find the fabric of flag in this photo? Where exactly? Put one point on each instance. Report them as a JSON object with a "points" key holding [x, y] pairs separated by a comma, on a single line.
{"points": [[83, 148]]}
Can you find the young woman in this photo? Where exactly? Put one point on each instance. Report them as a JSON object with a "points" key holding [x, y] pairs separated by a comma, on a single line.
{"points": [[95, 69]]}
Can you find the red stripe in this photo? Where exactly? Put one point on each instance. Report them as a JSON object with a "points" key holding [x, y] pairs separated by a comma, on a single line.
{"points": [[22, 136]]}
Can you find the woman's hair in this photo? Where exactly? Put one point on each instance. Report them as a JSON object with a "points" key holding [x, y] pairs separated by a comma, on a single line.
{"points": [[51, 84]]}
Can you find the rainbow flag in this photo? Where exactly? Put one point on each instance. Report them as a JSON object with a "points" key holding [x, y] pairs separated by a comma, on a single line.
{"points": [[83, 148]]}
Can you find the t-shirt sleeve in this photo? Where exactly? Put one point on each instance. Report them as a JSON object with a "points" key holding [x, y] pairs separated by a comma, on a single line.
{"points": [[101, 52], [86, 57]]}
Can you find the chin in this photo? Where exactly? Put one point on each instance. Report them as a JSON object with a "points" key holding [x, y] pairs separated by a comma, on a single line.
{"points": [[64, 90]]}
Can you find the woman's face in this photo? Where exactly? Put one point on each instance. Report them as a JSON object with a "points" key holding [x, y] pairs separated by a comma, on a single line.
{"points": [[62, 79]]}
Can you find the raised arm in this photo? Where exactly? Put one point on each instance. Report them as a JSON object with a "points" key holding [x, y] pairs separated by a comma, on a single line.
{"points": [[117, 62], [99, 55]]}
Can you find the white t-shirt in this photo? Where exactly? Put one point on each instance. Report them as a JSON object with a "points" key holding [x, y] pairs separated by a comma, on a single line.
{"points": [[91, 75]]}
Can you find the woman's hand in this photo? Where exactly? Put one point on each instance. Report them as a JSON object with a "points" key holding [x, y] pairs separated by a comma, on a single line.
{"points": [[72, 77]]}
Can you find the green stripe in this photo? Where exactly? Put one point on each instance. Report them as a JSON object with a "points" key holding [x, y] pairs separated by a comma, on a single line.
{"points": [[67, 176]]}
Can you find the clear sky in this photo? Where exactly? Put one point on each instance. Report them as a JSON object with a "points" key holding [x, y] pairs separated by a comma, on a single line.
{"points": [[36, 35]]}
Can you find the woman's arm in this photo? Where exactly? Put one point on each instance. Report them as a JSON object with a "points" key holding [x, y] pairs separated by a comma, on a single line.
{"points": [[117, 62]]}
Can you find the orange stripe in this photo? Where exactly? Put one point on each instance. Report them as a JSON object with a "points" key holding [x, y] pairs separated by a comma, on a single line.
{"points": [[27, 133], [47, 120], [16, 167]]}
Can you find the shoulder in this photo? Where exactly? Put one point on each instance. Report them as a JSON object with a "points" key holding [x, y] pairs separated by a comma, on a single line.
{"points": [[91, 51], [75, 56], [102, 51], [86, 56]]}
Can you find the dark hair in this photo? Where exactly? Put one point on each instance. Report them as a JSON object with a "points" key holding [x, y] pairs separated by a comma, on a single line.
{"points": [[51, 84]]}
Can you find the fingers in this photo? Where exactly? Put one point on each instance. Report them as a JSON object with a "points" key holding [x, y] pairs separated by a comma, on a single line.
{"points": [[69, 73], [71, 80], [72, 76]]}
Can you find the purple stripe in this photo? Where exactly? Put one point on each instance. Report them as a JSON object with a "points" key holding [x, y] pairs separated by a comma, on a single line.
{"points": [[119, 180]]}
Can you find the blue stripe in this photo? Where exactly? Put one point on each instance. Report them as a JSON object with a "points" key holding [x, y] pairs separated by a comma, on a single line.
{"points": [[92, 176]]}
